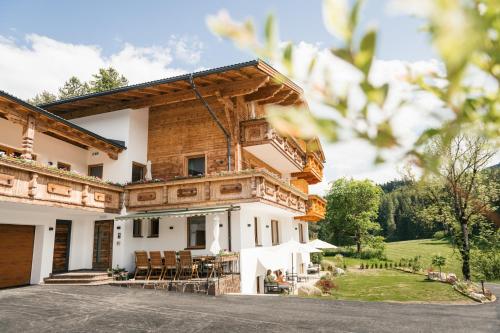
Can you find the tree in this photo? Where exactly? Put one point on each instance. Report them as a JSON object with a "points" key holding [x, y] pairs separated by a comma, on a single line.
{"points": [[106, 79], [386, 216], [73, 87], [352, 207], [465, 196], [439, 261], [42, 98]]}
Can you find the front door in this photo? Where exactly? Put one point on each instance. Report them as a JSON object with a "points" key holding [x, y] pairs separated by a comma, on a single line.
{"points": [[61, 246], [103, 244]]}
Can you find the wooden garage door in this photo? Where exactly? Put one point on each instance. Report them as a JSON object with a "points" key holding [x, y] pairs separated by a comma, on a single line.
{"points": [[16, 254]]}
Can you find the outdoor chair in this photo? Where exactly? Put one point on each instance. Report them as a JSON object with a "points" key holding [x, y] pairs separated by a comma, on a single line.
{"points": [[156, 267], [170, 265], [215, 267], [187, 268], [141, 264]]}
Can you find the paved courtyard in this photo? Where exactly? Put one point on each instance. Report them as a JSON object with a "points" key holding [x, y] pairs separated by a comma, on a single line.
{"points": [[114, 309]]}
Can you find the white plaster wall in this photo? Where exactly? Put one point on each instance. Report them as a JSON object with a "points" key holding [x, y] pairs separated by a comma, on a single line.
{"points": [[47, 148], [168, 239], [288, 230], [44, 218], [130, 126]]}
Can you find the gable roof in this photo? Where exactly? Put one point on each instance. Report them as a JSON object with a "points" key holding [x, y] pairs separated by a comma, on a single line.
{"points": [[16, 109], [255, 79]]}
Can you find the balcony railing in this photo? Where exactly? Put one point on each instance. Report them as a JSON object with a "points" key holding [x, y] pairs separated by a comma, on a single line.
{"points": [[313, 170], [25, 181], [316, 209], [225, 188], [258, 136]]}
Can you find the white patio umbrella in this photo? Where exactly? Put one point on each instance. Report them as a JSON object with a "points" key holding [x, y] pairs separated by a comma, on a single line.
{"points": [[215, 247], [319, 244], [148, 175]]}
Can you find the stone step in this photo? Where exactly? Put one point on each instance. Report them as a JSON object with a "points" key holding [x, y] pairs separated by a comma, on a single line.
{"points": [[79, 276], [76, 281]]}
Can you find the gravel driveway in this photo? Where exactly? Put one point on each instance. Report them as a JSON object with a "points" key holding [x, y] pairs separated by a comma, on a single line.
{"points": [[114, 309]]}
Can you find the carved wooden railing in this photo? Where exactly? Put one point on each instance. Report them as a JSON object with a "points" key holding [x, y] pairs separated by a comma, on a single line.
{"points": [[313, 170], [316, 209], [226, 188], [28, 182], [259, 132]]}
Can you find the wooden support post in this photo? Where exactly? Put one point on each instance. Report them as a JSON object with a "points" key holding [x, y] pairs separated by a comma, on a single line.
{"points": [[28, 138]]}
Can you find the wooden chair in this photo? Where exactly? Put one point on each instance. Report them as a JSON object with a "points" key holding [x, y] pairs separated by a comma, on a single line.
{"points": [[141, 264], [170, 265], [155, 265], [187, 269]]}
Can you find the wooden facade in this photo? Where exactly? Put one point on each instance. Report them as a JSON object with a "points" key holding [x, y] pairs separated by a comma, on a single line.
{"points": [[260, 164], [315, 209], [225, 188], [28, 182]]}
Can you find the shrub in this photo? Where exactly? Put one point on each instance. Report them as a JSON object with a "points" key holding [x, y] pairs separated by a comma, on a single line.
{"points": [[386, 265], [316, 258], [345, 267], [325, 264], [361, 266], [439, 235], [373, 265], [486, 264], [339, 259], [326, 284]]}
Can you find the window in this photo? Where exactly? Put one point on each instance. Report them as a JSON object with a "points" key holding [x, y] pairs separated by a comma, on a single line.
{"points": [[137, 228], [275, 236], [138, 171], [196, 166], [301, 233], [256, 231], [96, 170], [154, 228], [63, 166], [196, 232]]}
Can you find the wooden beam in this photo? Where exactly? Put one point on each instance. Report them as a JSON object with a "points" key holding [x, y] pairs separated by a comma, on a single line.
{"points": [[292, 99], [226, 90], [278, 98], [264, 93]]}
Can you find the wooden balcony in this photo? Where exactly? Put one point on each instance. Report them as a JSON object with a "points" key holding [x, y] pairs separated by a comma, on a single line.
{"points": [[225, 188], [23, 181], [316, 209], [313, 170], [263, 141]]}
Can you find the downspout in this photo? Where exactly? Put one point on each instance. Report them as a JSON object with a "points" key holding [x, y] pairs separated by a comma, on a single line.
{"points": [[214, 117]]}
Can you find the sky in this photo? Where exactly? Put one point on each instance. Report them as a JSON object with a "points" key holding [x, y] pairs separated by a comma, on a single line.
{"points": [[43, 43]]}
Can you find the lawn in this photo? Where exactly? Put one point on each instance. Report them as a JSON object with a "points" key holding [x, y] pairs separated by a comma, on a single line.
{"points": [[392, 285], [425, 248]]}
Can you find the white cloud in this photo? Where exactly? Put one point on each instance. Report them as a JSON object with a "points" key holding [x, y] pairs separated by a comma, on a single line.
{"points": [[354, 157], [45, 63]]}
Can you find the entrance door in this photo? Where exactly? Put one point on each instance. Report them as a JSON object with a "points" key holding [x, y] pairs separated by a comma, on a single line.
{"points": [[103, 245], [16, 253], [61, 246]]}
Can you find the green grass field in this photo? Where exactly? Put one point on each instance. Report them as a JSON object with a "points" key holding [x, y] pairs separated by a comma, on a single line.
{"points": [[425, 248], [394, 285], [391, 285]]}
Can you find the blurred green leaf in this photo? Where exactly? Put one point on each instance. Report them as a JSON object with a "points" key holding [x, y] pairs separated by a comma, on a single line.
{"points": [[335, 17], [363, 60], [287, 58]]}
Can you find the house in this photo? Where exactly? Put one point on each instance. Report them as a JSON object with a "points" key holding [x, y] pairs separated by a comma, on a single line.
{"points": [[188, 162]]}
